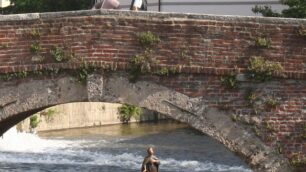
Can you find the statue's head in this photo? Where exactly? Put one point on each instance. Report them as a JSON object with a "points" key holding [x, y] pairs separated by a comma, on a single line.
{"points": [[150, 150]]}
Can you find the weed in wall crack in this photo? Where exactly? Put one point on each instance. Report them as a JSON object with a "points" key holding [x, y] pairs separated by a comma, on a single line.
{"points": [[302, 31], [141, 64], [4, 46], [262, 70], [148, 39], [59, 55], [82, 73], [230, 81], [271, 102], [33, 34], [263, 42], [35, 48]]}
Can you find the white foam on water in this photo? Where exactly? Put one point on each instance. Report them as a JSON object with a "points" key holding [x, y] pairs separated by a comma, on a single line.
{"points": [[200, 166], [13, 141], [29, 148]]}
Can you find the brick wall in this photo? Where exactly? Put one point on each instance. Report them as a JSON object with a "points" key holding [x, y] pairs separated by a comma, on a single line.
{"points": [[201, 47]]}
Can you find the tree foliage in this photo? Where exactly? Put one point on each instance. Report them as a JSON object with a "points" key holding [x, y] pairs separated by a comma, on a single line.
{"points": [[296, 9], [31, 6]]}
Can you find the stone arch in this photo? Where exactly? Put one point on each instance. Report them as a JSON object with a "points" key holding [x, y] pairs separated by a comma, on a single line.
{"points": [[20, 99]]}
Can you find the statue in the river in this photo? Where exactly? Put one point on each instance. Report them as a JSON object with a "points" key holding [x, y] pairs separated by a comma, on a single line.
{"points": [[151, 162]]}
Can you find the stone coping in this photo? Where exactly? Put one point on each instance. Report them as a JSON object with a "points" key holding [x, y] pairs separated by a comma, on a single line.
{"points": [[151, 15]]}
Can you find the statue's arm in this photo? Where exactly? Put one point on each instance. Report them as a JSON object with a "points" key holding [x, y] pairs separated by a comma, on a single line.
{"points": [[144, 163], [155, 160]]}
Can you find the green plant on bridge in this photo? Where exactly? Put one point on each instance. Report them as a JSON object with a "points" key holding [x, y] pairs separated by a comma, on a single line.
{"points": [[147, 39], [4, 46], [235, 117], [303, 135], [163, 72], [25, 74], [34, 34], [257, 131], [263, 42], [262, 70], [35, 48], [302, 31], [279, 148], [141, 64], [127, 111], [34, 121], [269, 126], [166, 71], [271, 102], [15, 75], [251, 97], [185, 55], [83, 72], [80, 74], [230, 81], [297, 160], [59, 55]]}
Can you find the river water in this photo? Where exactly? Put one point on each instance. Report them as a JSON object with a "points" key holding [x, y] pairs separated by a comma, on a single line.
{"points": [[116, 148]]}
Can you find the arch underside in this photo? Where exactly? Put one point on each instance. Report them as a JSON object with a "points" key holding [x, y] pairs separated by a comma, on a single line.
{"points": [[20, 99]]}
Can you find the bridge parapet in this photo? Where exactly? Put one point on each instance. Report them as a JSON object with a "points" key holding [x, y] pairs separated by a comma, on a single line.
{"points": [[192, 43]]}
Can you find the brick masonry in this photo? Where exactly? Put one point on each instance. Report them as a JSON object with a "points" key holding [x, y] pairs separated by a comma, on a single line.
{"points": [[202, 48]]}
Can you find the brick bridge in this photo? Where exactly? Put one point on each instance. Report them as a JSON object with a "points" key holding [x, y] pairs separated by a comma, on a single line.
{"points": [[193, 68]]}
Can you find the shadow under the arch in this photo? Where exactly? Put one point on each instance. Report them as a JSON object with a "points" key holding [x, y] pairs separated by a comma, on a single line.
{"points": [[13, 120]]}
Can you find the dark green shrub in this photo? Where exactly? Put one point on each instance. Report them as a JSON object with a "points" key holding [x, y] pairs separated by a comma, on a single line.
{"points": [[127, 111]]}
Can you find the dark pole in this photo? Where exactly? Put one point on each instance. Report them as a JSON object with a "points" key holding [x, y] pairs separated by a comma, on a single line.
{"points": [[159, 5]]}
